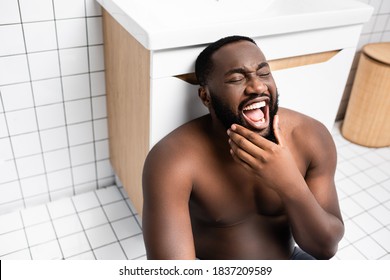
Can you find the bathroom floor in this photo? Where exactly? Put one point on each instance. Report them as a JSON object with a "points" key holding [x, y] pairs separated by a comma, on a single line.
{"points": [[103, 224]]}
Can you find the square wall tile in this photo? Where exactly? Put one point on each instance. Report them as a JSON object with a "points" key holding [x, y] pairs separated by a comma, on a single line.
{"points": [[72, 33], [19, 255], [69, 8], [104, 169], [84, 173], [3, 126], [76, 87], [93, 8], [16, 97], [40, 36], [22, 121], [30, 166], [82, 154], [98, 84], [5, 150], [60, 179], [80, 133], [54, 139], [74, 61], [47, 91], [33, 186], [11, 39], [102, 150], [9, 12], [10, 192], [96, 58], [100, 129], [50, 116], [78, 111], [99, 106], [13, 69], [26, 144], [95, 31], [44, 65], [57, 160], [7, 174], [37, 10]]}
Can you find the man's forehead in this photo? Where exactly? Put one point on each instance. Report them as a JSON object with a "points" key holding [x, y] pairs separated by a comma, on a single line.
{"points": [[238, 54]]}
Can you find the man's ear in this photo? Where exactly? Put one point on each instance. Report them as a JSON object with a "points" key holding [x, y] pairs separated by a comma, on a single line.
{"points": [[204, 96]]}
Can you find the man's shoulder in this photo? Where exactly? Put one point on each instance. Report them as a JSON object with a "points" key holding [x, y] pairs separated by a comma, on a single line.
{"points": [[298, 123], [181, 142]]}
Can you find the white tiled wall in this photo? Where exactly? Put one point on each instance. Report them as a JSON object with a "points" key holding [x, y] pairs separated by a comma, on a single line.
{"points": [[53, 121], [376, 30]]}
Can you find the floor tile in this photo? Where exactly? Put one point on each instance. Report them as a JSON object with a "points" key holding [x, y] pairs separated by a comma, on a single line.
{"points": [[35, 215], [85, 201], [110, 252], [383, 238], [126, 227], [10, 222], [40, 233], [350, 253], [353, 232], [19, 255], [60, 208], [368, 223], [83, 256], [117, 210], [74, 244], [382, 214], [67, 225], [47, 251], [100, 236], [93, 217], [134, 247], [369, 248], [108, 195], [12, 242]]}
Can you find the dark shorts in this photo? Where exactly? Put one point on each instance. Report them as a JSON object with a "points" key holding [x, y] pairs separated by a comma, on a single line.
{"points": [[299, 254]]}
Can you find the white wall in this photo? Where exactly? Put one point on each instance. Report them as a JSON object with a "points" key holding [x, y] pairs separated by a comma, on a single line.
{"points": [[376, 30], [53, 121]]}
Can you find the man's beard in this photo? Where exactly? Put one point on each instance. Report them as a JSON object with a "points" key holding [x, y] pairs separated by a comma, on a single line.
{"points": [[228, 117]]}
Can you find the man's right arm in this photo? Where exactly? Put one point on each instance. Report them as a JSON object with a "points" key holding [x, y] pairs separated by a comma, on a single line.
{"points": [[166, 220]]}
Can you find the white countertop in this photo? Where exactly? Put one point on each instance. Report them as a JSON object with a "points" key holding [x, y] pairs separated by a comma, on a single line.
{"points": [[164, 24]]}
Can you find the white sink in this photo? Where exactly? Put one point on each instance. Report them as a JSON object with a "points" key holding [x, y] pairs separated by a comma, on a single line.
{"points": [[163, 24]]}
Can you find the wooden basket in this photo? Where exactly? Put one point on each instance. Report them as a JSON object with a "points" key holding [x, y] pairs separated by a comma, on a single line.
{"points": [[367, 119]]}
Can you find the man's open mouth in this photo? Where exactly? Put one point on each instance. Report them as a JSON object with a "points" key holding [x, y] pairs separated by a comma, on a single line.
{"points": [[256, 114]]}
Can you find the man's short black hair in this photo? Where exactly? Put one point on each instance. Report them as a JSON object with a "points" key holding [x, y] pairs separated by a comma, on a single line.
{"points": [[204, 64]]}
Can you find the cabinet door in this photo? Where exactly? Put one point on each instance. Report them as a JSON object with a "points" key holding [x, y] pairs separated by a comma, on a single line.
{"points": [[173, 102]]}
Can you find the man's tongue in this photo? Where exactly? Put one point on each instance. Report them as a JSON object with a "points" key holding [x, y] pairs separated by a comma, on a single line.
{"points": [[254, 115]]}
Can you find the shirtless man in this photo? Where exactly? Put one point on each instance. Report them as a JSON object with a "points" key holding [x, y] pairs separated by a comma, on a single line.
{"points": [[241, 182]]}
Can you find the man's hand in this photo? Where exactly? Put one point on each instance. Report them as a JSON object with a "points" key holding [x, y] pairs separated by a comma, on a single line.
{"points": [[272, 163]]}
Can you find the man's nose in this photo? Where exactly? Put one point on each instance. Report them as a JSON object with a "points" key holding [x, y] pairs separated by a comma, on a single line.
{"points": [[255, 85]]}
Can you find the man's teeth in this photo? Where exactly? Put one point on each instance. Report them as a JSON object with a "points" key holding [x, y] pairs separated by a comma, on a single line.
{"points": [[253, 106]]}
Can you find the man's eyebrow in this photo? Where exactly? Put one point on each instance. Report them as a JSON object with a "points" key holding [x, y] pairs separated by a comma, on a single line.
{"points": [[241, 70]]}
